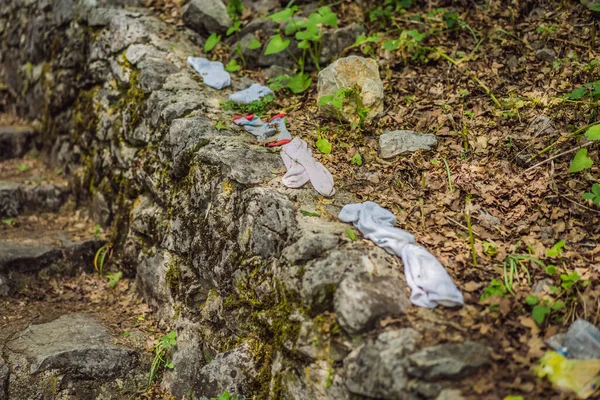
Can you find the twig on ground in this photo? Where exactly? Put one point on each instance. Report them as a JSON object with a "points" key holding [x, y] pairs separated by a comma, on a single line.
{"points": [[461, 225], [558, 155], [562, 139]]}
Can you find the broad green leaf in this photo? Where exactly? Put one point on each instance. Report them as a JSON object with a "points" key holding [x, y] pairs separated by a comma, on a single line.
{"points": [[8, 221], [366, 39], [169, 365], [304, 44], [539, 314], [351, 234], [323, 145], [283, 15], [588, 196], [594, 8], [211, 42], [551, 269], [299, 83], [556, 250], [532, 300], [356, 160], [578, 93], [232, 66], [593, 133], [114, 278], [234, 28], [581, 161], [310, 214], [596, 189], [276, 45], [254, 44], [558, 305], [324, 100], [391, 45]]}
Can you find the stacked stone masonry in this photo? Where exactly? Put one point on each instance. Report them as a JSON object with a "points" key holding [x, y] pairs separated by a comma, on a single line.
{"points": [[218, 245]]}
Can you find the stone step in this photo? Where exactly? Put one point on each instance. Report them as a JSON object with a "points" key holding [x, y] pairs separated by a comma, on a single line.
{"points": [[74, 354], [15, 141], [46, 244], [28, 186]]}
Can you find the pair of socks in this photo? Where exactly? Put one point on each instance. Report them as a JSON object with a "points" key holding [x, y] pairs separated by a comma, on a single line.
{"points": [[255, 92], [213, 72], [302, 167], [427, 278], [267, 132]]}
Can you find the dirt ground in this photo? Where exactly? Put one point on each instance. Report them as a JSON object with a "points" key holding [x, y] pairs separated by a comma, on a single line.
{"points": [[484, 170]]}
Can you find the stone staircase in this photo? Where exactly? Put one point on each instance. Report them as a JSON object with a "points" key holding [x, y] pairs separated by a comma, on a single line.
{"points": [[43, 238]]}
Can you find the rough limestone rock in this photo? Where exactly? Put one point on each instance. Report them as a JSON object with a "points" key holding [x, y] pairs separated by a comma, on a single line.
{"points": [[4, 376], [19, 257], [206, 16], [71, 348], [376, 369], [393, 143], [335, 41], [356, 73], [310, 246], [361, 300], [228, 372], [448, 361]]}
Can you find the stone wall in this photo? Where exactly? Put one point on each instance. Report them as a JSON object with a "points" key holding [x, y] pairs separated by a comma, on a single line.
{"points": [[267, 302]]}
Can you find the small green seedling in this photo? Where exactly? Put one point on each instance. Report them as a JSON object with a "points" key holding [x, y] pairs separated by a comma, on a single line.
{"points": [[22, 167], [495, 288], [356, 160], [232, 66], [351, 234], [114, 278], [162, 352], [594, 196], [323, 145], [101, 258], [8, 221], [556, 250], [211, 42], [310, 214]]}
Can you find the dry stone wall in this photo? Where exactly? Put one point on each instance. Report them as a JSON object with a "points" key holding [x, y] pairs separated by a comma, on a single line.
{"points": [[267, 302]]}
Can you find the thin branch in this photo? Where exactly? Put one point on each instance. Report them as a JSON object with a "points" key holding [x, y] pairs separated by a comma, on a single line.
{"points": [[559, 155]]}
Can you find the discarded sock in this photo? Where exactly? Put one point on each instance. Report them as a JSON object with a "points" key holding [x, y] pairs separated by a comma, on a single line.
{"points": [[302, 167], [428, 280], [255, 92], [213, 72], [273, 131]]}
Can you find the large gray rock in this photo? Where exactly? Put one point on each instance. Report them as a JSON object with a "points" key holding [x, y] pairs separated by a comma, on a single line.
{"points": [[206, 16], [75, 345], [228, 372], [23, 258], [376, 369], [310, 246], [356, 73], [448, 361], [10, 200], [157, 277], [362, 299], [393, 143], [335, 41]]}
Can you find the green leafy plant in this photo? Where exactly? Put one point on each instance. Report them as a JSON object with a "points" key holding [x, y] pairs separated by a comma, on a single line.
{"points": [[310, 214], [543, 308], [323, 145], [513, 263], [489, 248], [22, 167], [409, 44], [594, 195], [114, 278], [100, 258], [569, 280], [254, 44], [383, 13], [589, 90], [351, 234], [226, 396], [232, 66], [258, 107], [276, 44], [495, 288], [97, 231], [8, 221], [220, 126], [299, 83], [356, 160], [211, 42], [581, 160], [279, 82], [162, 353], [556, 250]]}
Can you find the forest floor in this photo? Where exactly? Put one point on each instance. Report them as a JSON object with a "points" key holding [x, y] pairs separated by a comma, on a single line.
{"points": [[484, 171]]}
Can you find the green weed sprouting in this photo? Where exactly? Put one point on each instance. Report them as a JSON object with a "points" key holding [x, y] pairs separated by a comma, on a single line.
{"points": [[162, 354]]}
